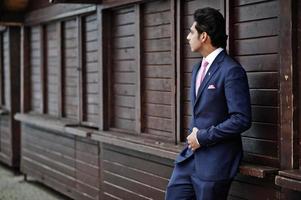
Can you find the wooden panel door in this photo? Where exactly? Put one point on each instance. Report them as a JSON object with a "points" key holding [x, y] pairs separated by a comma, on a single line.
{"points": [[255, 45], [158, 78], [35, 67], [52, 80], [123, 70], [70, 71]]}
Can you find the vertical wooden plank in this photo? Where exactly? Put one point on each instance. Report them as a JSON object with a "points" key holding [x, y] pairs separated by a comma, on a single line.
{"points": [[43, 57], [14, 91], [101, 64], [138, 48], [298, 58], [25, 69], [286, 86], [173, 65], [60, 47], [180, 85], [1, 69], [80, 67], [229, 21]]}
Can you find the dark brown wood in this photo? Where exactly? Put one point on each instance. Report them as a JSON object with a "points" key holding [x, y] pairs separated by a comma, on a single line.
{"points": [[287, 136], [138, 59], [256, 170], [14, 57], [25, 69], [1, 69], [81, 70], [56, 12], [76, 1], [289, 183], [10, 18], [43, 68], [60, 42]]}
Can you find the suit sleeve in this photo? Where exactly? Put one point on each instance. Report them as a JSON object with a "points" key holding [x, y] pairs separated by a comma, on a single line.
{"points": [[239, 110]]}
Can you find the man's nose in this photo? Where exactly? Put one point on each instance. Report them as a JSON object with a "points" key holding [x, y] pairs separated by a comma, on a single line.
{"points": [[188, 37]]}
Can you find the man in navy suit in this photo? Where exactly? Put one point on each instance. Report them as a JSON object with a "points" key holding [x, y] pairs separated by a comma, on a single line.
{"points": [[221, 111]]}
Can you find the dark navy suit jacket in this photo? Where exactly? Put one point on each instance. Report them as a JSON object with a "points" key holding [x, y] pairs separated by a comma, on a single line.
{"points": [[221, 111]]}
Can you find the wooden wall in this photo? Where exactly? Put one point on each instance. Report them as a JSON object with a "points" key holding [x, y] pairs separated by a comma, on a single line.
{"points": [[10, 96], [128, 174], [147, 66], [64, 162]]}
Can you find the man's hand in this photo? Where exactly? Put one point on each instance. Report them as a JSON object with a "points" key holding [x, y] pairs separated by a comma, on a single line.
{"points": [[192, 141]]}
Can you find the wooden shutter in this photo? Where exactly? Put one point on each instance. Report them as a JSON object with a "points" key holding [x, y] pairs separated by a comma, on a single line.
{"points": [[52, 69], [158, 71], [90, 76], [255, 46], [35, 66], [6, 66], [70, 94], [123, 70]]}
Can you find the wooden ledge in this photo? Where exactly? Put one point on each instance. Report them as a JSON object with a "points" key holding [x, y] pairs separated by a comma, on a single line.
{"points": [[257, 171], [78, 130], [290, 179], [139, 144], [3, 111], [44, 121]]}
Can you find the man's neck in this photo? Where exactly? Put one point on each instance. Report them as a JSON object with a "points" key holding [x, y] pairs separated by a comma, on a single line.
{"points": [[208, 50]]}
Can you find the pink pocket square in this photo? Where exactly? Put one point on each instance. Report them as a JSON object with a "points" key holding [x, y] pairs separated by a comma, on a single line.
{"points": [[211, 87]]}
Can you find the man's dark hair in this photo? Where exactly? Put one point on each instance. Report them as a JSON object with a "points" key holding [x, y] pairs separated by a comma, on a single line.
{"points": [[212, 22]]}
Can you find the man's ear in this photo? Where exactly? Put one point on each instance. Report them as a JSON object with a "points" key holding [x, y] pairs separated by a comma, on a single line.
{"points": [[204, 36]]}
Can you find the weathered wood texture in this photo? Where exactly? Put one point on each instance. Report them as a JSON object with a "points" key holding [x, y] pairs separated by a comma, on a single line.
{"points": [[123, 70], [298, 55], [256, 47], [52, 69], [66, 163], [71, 73], [35, 60], [91, 79], [10, 96], [131, 175], [157, 71], [189, 58]]}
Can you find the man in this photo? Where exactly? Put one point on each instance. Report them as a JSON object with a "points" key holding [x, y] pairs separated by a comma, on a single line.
{"points": [[221, 108]]}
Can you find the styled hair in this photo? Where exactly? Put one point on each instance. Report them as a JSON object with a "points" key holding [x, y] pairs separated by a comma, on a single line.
{"points": [[212, 22]]}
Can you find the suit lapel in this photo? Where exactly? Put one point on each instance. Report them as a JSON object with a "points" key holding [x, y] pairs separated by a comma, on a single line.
{"points": [[194, 75], [213, 68]]}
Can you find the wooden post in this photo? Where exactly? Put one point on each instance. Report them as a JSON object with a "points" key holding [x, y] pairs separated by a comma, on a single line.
{"points": [[80, 68], [139, 65], [286, 138], [101, 76], [25, 70], [14, 91], [60, 68], [43, 67], [173, 36], [1, 69]]}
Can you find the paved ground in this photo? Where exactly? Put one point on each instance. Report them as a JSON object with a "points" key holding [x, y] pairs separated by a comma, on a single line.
{"points": [[13, 187]]}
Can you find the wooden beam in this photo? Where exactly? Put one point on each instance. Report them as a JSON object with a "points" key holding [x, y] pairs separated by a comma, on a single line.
{"points": [[1, 69], [14, 91], [60, 45], [287, 136], [57, 12], [80, 68], [100, 30], [11, 18], [77, 1], [138, 47], [179, 75], [43, 68], [25, 69]]}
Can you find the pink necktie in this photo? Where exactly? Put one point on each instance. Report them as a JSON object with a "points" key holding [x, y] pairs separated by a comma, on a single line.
{"points": [[200, 76]]}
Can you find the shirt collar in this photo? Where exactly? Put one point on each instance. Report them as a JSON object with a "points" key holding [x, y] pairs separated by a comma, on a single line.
{"points": [[211, 57]]}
